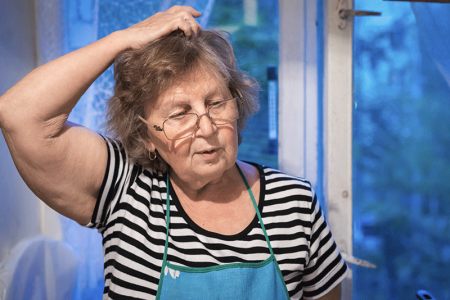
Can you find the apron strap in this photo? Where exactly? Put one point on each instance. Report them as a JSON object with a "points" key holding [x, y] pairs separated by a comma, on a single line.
{"points": [[256, 208], [264, 230], [166, 245]]}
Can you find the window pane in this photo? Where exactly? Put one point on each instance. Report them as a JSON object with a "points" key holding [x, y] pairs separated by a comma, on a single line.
{"points": [[253, 25], [401, 161]]}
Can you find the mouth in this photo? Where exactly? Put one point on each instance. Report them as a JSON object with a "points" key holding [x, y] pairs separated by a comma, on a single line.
{"points": [[209, 151]]}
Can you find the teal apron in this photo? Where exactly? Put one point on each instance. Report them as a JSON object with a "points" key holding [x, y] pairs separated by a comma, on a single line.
{"points": [[262, 280]]}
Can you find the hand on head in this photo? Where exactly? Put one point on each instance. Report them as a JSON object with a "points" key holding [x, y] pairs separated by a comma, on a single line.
{"points": [[163, 23]]}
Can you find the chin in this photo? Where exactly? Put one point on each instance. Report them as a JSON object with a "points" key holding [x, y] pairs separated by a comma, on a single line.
{"points": [[215, 169]]}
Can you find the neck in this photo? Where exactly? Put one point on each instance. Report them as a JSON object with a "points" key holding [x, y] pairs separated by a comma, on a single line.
{"points": [[199, 189]]}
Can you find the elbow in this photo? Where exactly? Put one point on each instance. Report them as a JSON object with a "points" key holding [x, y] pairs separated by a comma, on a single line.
{"points": [[15, 117], [2, 112], [7, 117]]}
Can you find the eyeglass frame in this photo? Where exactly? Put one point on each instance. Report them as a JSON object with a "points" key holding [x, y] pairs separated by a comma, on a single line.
{"points": [[239, 101]]}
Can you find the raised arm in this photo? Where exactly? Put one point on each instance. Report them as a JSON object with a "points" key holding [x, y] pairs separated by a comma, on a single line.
{"points": [[63, 163]]}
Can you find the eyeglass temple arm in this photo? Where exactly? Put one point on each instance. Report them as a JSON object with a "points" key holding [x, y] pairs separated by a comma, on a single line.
{"points": [[157, 128]]}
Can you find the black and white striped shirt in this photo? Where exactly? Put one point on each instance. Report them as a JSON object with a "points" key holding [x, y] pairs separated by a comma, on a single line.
{"points": [[130, 214]]}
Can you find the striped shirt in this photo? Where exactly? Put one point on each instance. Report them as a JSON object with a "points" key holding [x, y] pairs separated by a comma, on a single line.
{"points": [[130, 213]]}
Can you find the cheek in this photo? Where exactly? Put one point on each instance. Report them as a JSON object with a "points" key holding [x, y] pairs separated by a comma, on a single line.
{"points": [[173, 152], [231, 139]]}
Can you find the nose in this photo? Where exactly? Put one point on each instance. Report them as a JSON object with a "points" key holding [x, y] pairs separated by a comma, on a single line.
{"points": [[205, 126]]}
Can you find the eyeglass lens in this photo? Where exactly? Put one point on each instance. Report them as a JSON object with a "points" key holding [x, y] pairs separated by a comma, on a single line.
{"points": [[185, 125]]}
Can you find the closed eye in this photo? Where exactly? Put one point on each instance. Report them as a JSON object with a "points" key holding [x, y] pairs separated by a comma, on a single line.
{"points": [[178, 115], [216, 103]]}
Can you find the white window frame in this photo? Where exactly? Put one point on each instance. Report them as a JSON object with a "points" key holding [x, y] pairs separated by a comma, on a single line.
{"points": [[298, 92], [298, 114]]}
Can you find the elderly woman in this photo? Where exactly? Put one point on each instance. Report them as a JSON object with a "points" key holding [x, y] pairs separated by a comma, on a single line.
{"points": [[181, 218]]}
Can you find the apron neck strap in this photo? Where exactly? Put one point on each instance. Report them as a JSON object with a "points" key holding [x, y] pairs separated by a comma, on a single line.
{"points": [[249, 190], [166, 245], [256, 208]]}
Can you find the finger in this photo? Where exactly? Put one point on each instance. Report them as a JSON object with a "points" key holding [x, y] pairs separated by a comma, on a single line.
{"points": [[186, 22], [186, 26], [194, 26], [177, 8], [194, 12]]}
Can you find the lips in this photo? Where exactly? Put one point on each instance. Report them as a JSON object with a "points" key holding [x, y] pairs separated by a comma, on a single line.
{"points": [[208, 151]]}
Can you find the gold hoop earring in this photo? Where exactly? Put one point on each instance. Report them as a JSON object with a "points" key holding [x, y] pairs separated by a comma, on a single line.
{"points": [[152, 158]]}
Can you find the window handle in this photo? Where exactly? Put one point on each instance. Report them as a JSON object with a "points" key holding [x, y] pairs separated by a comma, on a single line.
{"points": [[345, 13]]}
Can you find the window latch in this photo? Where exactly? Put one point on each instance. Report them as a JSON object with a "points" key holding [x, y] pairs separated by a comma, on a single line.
{"points": [[345, 13]]}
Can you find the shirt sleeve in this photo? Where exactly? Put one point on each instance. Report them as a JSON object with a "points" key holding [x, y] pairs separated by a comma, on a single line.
{"points": [[116, 173], [326, 267]]}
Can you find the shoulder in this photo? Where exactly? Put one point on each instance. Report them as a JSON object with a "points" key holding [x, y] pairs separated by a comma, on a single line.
{"points": [[271, 173], [124, 181], [119, 159], [284, 192], [277, 181]]}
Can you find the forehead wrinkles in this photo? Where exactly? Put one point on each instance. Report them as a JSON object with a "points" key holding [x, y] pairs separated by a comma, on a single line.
{"points": [[195, 85]]}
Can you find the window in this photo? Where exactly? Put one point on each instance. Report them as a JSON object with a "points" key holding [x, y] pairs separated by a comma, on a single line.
{"points": [[253, 25], [401, 137]]}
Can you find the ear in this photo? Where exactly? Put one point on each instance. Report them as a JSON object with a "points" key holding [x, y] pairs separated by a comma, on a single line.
{"points": [[150, 146]]}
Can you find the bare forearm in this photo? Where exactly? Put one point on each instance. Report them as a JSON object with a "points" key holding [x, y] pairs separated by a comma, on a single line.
{"points": [[51, 91]]}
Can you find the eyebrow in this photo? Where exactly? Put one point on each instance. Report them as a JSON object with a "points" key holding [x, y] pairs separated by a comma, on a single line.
{"points": [[172, 105], [180, 101], [186, 101], [216, 91]]}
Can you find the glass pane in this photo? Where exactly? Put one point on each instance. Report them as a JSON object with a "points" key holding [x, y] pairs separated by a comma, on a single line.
{"points": [[401, 163], [253, 25]]}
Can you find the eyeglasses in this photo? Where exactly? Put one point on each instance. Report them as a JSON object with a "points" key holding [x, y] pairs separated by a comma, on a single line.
{"points": [[184, 124]]}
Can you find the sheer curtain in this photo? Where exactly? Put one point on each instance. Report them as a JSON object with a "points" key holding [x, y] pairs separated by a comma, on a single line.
{"points": [[64, 26], [58, 32], [433, 20]]}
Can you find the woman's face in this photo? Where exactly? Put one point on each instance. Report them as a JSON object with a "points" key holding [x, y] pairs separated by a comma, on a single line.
{"points": [[212, 149]]}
